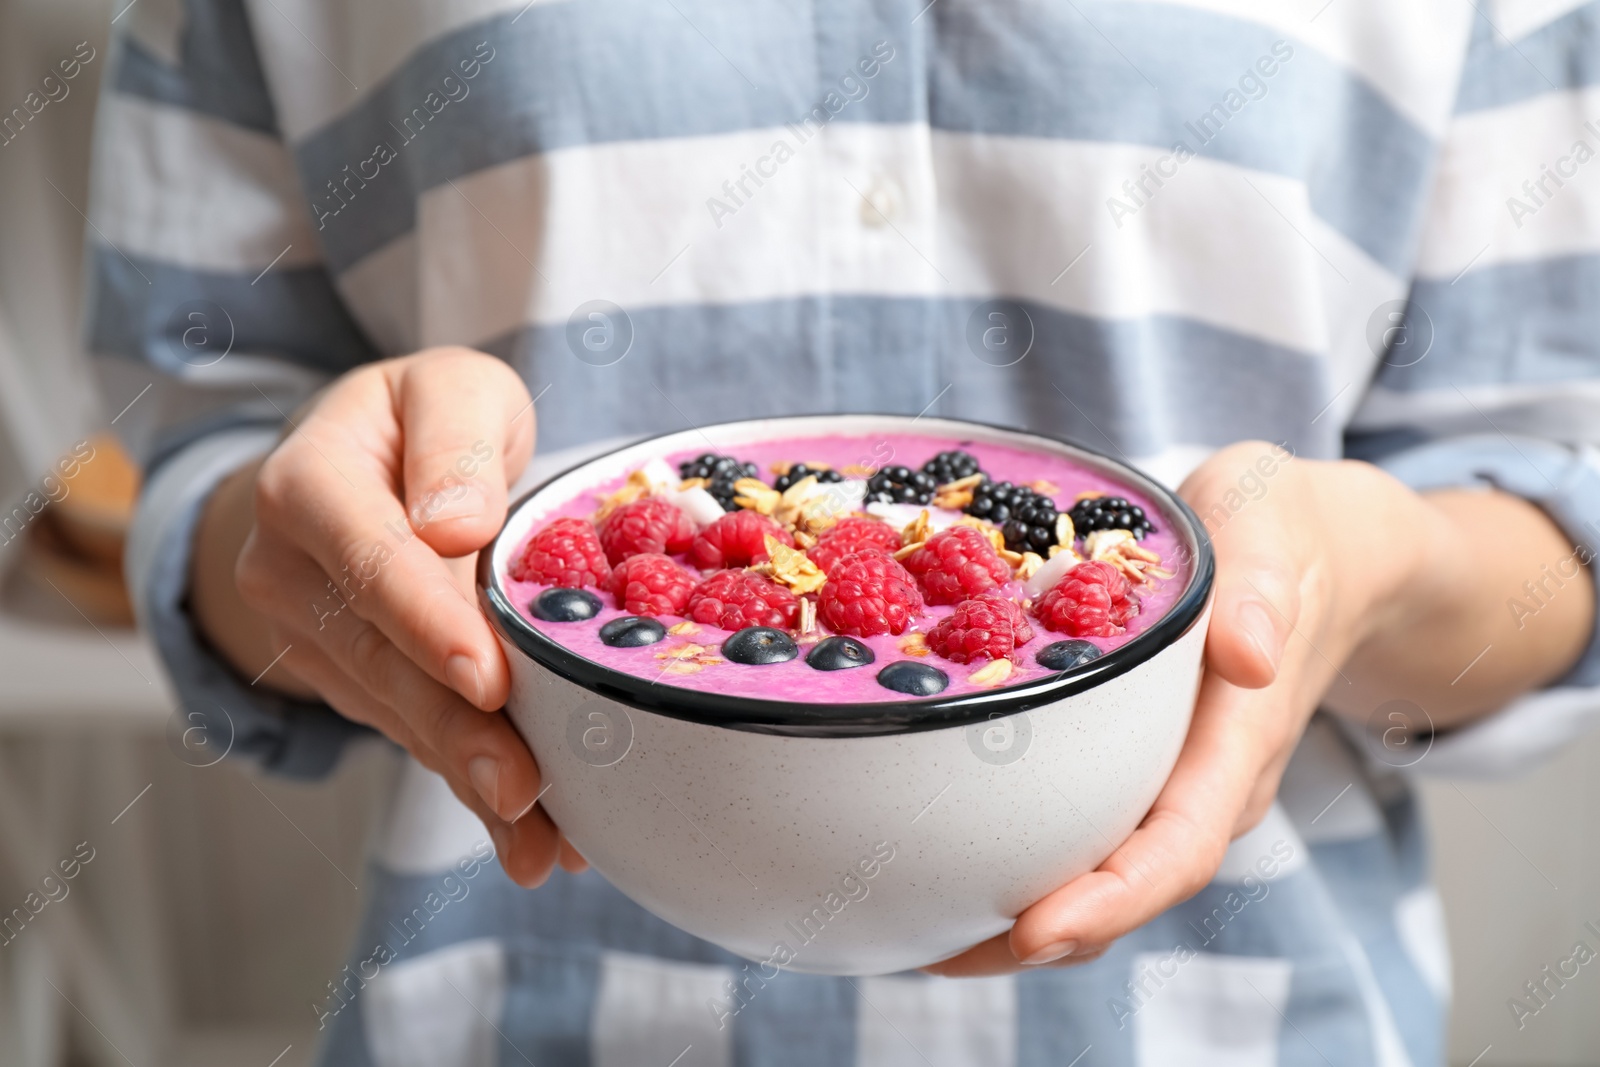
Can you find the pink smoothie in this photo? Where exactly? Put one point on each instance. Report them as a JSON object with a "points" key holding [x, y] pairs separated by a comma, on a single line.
{"points": [[797, 681]]}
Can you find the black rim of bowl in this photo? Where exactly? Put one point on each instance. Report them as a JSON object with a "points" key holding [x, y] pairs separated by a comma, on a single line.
{"points": [[876, 718]]}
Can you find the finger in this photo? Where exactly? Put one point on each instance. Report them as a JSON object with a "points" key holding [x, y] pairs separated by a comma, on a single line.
{"points": [[526, 848], [1255, 612], [1257, 600], [461, 452], [484, 750], [571, 861], [1177, 849], [313, 666], [348, 520], [994, 956]]}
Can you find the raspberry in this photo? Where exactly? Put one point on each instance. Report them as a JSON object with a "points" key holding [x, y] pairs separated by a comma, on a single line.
{"points": [[868, 593], [565, 553], [990, 626], [735, 599], [957, 563], [852, 535], [1093, 600], [735, 540], [651, 584], [647, 525]]}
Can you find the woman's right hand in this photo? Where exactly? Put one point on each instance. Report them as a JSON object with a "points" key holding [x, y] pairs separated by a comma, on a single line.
{"points": [[352, 545]]}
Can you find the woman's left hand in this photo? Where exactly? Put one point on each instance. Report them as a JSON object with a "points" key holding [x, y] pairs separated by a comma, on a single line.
{"points": [[1314, 561]]}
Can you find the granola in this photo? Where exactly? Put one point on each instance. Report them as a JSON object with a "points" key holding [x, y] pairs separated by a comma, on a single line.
{"points": [[755, 494], [992, 673], [790, 567]]}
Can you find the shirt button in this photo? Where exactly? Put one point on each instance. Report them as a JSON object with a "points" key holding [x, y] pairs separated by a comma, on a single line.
{"points": [[880, 201]]}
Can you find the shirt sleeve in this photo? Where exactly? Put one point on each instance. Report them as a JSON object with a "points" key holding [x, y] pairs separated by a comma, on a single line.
{"points": [[1490, 375], [211, 316]]}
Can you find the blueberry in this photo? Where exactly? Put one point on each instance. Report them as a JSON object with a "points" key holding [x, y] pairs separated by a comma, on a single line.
{"points": [[565, 605], [756, 645], [1065, 655], [839, 653], [918, 679], [631, 631]]}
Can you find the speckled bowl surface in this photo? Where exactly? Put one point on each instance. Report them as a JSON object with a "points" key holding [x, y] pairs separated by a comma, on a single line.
{"points": [[850, 839]]}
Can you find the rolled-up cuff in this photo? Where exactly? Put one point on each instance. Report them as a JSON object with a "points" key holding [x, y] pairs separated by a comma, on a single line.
{"points": [[294, 738], [1563, 480]]}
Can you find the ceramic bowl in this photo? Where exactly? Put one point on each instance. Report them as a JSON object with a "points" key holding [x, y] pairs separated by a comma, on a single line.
{"points": [[849, 839]]}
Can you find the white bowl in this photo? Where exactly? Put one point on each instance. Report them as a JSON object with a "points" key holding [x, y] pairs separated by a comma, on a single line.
{"points": [[850, 839]]}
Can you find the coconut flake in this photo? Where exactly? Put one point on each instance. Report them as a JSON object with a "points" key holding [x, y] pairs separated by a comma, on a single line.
{"points": [[697, 503], [660, 476], [902, 515], [1052, 571]]}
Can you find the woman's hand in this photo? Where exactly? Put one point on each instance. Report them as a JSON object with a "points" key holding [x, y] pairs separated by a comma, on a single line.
{"points": [[352, 546], [1336, 586]]}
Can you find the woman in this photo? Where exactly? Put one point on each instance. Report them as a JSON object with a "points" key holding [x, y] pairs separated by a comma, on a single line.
{"points": [[1210, 236]]}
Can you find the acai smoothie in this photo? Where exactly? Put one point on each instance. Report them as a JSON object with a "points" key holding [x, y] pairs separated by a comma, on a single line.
{"points": [[846, 569]]}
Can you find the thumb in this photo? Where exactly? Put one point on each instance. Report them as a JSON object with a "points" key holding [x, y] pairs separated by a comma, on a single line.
{"points": [[468, 430], [1256, 608]]}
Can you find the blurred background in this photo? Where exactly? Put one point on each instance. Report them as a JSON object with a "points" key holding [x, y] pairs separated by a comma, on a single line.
{"points": [[211, 913]]}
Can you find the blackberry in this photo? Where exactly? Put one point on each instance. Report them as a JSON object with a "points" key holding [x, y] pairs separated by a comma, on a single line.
{"points": [[800, 470], [721, 472], [901, 485], [1109, 513], [1026, 517], [952, 466], [996, 501], [1032, 526]]}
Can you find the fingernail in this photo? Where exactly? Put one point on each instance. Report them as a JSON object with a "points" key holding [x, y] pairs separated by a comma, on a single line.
{"points": [[1259, 630], [463, 500], [1051, 953], [462, 674], [484, 774]]}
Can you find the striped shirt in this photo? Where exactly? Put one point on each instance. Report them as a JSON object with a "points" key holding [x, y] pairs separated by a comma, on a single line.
{"points": [[1354, 227]]}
